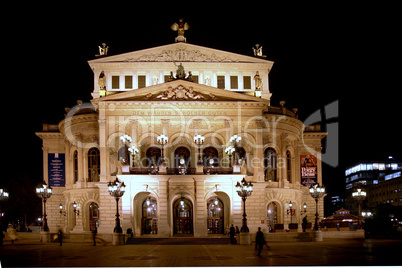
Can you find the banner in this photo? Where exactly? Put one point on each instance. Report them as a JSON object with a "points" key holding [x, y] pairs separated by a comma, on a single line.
{"points": [[56, 170], [308, 169]]}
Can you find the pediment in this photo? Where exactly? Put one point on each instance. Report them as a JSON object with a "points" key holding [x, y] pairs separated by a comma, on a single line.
{"points": [[180, 90], [180, 52]]}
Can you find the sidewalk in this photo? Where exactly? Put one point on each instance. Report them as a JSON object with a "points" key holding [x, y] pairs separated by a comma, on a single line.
{"points": [[329, 252]]}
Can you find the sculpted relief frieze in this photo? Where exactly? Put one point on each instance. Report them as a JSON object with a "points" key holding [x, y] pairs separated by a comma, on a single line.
{"points": [[181, 54]]}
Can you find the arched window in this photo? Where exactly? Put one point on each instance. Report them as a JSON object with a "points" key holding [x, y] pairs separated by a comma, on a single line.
{"points": [[153, 156], [210, 157], [75, 165], [149, 216], [93, 164], [182, 157], [239, 156], [288, 165], [270, 164]]}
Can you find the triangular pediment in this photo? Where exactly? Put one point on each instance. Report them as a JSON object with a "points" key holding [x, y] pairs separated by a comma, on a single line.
{"points": [[180, 52], [180, 90]]}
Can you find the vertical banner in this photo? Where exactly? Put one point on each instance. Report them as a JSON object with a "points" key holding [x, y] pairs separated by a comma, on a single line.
{"points": [[57, 170], [308, 169]]}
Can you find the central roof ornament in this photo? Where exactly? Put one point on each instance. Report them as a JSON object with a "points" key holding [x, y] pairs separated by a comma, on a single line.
{"points": [[181, 74], [180, 28]]}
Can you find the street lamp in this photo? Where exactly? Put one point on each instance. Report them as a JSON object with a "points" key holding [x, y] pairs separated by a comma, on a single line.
{"points": [[290, 210], [199, 140], [133, 151], [3, 197], [162, 140], [316, 192], [229, 151], [244, 190], [359, 195], [117, 189], [44, 192]]}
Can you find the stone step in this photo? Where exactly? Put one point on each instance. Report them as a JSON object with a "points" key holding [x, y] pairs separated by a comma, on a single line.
{"points": [[178, 241]]}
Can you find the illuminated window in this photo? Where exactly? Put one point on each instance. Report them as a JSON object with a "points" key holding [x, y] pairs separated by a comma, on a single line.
{"points": [[234, 82], [128, 82], [93, 164], [141, 81], [221, 81], [115, 82], [75, 162], [247, 82]]}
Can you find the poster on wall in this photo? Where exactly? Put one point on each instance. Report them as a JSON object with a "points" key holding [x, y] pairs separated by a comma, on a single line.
{"points": [[56, 170], [308, 169]]}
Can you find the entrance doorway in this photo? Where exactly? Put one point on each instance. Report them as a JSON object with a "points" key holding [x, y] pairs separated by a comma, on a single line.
{"points": [[215, 216], [93, 216], [183, 217], [272, 218], [149, 223]]}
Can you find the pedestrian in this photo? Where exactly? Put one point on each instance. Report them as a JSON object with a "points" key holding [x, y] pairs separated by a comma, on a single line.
{"points": [[237, 235], [232, 235], [259, 241], [304, 224], [94, 232], [60, 237], [12, 233]]}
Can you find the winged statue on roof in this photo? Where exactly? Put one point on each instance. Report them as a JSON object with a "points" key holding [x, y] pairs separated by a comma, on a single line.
{"points": [[180, 28]]}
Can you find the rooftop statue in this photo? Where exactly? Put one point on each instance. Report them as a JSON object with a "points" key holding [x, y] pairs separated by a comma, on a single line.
{"points": [[258, 51], [180, 28]]}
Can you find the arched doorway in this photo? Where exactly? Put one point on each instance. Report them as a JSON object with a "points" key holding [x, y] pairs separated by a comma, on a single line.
{"points": [[93, 216], [210, 157], [215, 216], [239, 156], [149, 222], [272, 216], [182, 157], [182, 217]]}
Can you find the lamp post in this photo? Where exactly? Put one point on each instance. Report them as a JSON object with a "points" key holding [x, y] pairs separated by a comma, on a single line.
{"points": [[244, 190], [290, 210], [229, 151], [199, 140], [359, 195], [117, 189], [44, 192], [133, 151], [3, 197], [316, 192], [235, 141], [162, 140]]}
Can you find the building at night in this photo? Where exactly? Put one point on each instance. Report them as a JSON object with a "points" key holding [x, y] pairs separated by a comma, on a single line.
{"points": [[182, 187], [367, 174]]}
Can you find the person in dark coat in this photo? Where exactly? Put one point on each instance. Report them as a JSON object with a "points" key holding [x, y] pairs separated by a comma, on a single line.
{"points": [[304, 224], [60, 237], [94, 232], [259, 241], [232, 235]]}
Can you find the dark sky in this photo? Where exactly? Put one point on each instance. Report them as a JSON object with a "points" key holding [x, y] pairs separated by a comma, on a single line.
{"points": [[322, 54]]}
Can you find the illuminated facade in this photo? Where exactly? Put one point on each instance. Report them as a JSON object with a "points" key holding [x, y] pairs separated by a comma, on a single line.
{"points": [[180, 90]]}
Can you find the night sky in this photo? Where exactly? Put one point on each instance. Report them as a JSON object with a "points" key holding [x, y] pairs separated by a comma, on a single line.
{"points": [[322, 54]]}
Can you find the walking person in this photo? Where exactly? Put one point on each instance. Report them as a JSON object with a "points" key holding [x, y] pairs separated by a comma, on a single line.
{"points": [[259, 241], [94, 232], [232, 235], [304, 224], [60, 237]]}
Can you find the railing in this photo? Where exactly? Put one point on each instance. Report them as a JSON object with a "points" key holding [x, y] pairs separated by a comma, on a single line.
{"points": [[218, 170], [144, 170], [181, 171]]}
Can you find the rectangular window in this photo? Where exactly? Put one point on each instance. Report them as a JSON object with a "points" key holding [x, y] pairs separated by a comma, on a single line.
{"points": [[234, 83], [115, 82], [141, 81], [195, 78], [221, 81], [247, 82], [128, 81], [166, 78]]}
